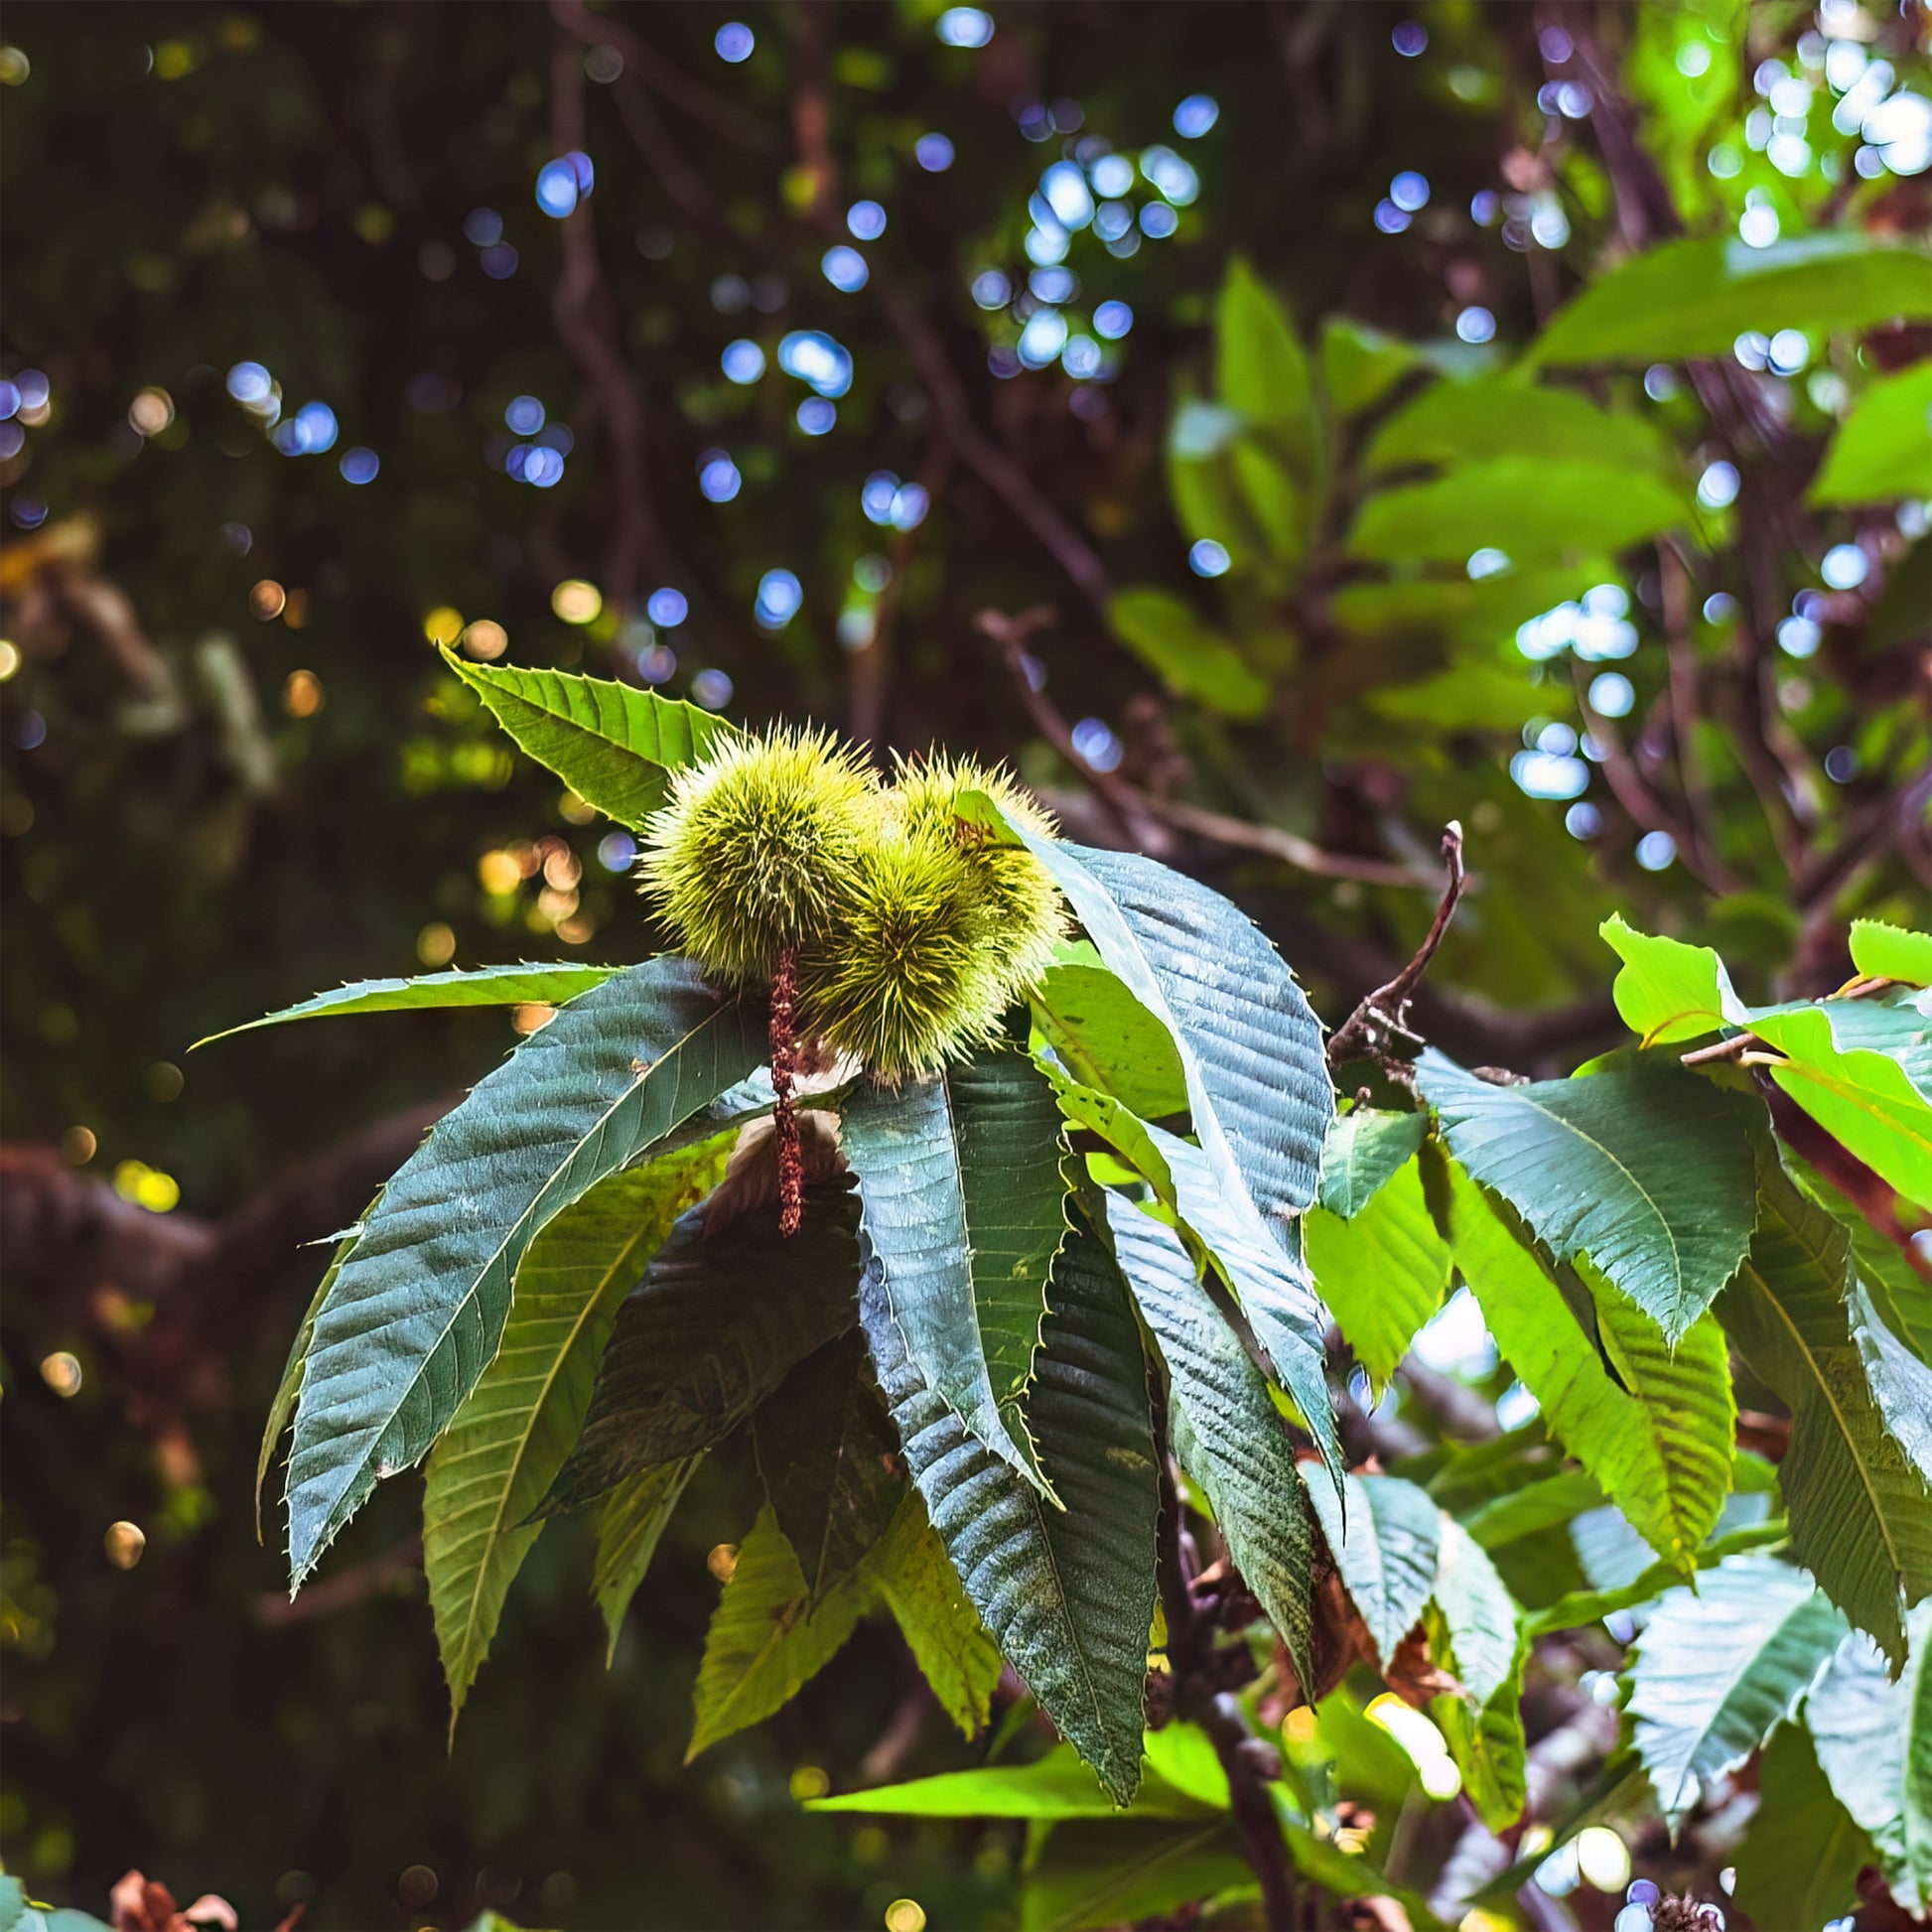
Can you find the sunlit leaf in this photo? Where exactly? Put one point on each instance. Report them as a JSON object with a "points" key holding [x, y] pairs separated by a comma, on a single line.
{"points": [[1883, 449]]}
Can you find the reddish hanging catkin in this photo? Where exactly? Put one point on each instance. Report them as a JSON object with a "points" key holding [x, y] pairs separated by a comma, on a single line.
{"points": [[785, 1067]]}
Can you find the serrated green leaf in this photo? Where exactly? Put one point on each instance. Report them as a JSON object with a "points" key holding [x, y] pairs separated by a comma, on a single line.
{"points": [[768, 1637], [484, 985], [1660, 1447], [1455, 423], [1901, 1384], [1532, 510], [1478, 1613], [714, 1327], [494, 1465], [1363, 1150], [963, 1212], [1225, 1431], [1861, 1514], [1874, 1737], [1250, 1045], [953, 1649], [1883, 449], [826, 1448], [1802, 1852], [1103, 1038], [629, 1522], [1383, 1274], [1068, 1595], [1189, 656], [1648, 1170], [1718, 1667], [1892, 952], [614, 744], [1695, 297], [417, 1309], [1486, 1741], [1385, 1548], [1577, 1607]]}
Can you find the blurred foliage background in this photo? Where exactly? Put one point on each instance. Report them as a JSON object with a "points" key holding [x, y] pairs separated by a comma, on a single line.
{"points": [[755, 353]]}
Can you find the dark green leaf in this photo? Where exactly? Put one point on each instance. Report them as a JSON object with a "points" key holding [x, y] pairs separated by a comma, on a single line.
{"points": [[714, 1327], [1860, 1513], [1227, 1433], [1648, 1170], [1385, 1549], [1068, 1595], [1108, 1874], [614, 744], [1800, 1860], [963, 1212], [417, 1309], [826, 1450], [1717, 1668]]}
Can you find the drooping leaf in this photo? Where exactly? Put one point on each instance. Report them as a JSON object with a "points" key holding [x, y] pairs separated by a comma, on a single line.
{"points": [[1802, 1852], [1873, 1736], [486, 986], [614, 744], [1386, 1548], [1695, 297], [1861, 1514], [1479, 1614], [1383, 1274], [1273, 1287], [1901, 1384], [1227, 1433], [1883, 449], [629, 1522], [1660, 1447], [1892, 952], [1058, 1785], [417, 1308], [1188, 655], [954, 1650], [1069, 1594], [1718, 1667], [1364, 1149], [712, 1329], [1534, 511], [962, 1191], [1250, 1045], [826, 1451], [1487, 1743], [1455, 423], [492, 1466], [1106, 1039], [767, 1636], [1647, 1169]]}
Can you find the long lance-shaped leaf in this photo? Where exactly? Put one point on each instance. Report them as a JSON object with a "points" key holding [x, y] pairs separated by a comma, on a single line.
{"points": [[1068, 1595], [614, 744], [1718, 1666], [1250, 1045], [417, 1309], [629, 1522], [953, 1649], [1271, 1283], [1860, 1513], [1385, 1550], [1901, 1384], [492, 1466], [1383, 1273], [960, 1181], [712, 1329], [484, 985], [1646, 1169], [826, 1450], [1226, 1432], [1874, 1735], [1661, 1443]]}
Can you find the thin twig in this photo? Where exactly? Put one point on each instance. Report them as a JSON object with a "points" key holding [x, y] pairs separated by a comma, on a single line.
{"points": [[1303, 853], [1676, 589], [1386, 1009]]}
